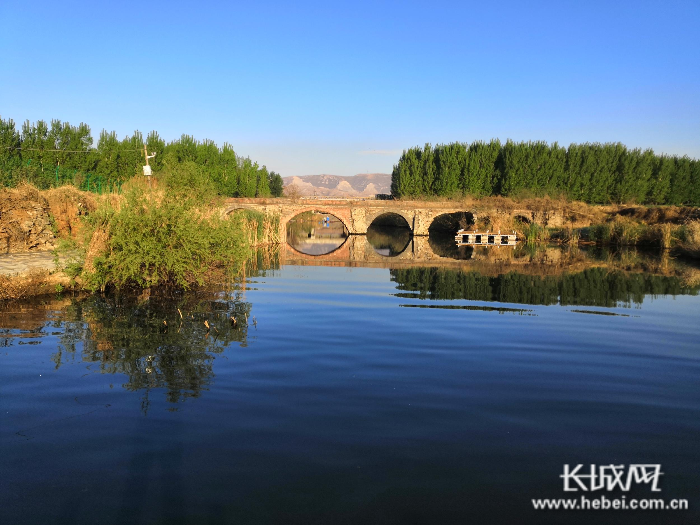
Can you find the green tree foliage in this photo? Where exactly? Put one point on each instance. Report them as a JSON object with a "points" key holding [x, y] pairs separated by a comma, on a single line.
{"points": [[634, 172], [482, 171], [664, 166], [448, 169], [427, 170], [10, 155], [681, 181], [262, 189], [408, 179], [156, 145], [276, 184], [226, 174], [604, 161], [58, 153], [694, 194], [247, 178], [594, 173], [399, 177]]}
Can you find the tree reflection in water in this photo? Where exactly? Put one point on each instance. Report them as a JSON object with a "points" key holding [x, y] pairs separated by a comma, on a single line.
{"points": [[150, 343], [591, 287]]}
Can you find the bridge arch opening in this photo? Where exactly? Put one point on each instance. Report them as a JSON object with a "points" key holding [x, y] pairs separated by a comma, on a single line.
{"points": [[441, 235], [389, 234], [236, 211], [449, 223], [316, 233]]}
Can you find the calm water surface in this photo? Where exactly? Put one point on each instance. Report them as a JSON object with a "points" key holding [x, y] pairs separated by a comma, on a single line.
{"points": [[353, 395]]}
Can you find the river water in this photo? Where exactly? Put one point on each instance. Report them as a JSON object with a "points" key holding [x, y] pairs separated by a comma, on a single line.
{"points": [[412, 394]]}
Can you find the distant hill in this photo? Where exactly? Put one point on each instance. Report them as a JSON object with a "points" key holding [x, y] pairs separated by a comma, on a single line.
{"points": [[362, 185]]}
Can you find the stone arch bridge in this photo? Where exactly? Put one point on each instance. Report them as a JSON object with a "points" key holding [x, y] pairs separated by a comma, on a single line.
{"points": [[356, 215]]}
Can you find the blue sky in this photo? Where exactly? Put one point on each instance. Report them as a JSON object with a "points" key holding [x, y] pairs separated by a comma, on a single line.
{"points": [[342, 88]]}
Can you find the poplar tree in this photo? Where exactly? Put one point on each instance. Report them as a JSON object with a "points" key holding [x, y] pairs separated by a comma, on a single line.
{"points": [[227, 176], [660, 184], [681, 182], [694, 196], [247, 178], [276, 184], [108, 150], [413, 174], [10, 143], [427, 159], [448, 172], [60, 153], [554, 172], [262, 188], [595, 173], [514, 169], [634, 172], [131, 159]]}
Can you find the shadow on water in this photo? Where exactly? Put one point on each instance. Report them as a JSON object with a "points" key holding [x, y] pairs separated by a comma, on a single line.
{"points": [[441, 235], [316, 233], [389, 235], [443, 243], [472, 308]]}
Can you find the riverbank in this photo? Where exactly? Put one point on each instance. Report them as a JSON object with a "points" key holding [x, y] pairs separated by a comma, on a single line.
{"points": [[173, 236]]}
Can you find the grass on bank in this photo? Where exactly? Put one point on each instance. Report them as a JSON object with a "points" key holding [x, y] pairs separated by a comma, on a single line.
{"points": [[682, 238]]}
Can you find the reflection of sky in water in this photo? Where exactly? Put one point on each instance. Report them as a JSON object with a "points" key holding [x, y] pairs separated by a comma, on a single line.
{"points": [[316, 234], [317, 248], [462, 393]]}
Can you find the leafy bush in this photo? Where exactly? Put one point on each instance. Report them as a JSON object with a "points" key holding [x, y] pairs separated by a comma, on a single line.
{"points": [[165, 237]]}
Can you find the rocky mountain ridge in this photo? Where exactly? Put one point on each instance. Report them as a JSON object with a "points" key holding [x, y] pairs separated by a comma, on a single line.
{"points": [[362, 185]]}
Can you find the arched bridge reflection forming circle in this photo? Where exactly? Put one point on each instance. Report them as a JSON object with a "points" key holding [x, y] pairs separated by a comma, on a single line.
{"points": [[389, 234], [315, 233]]}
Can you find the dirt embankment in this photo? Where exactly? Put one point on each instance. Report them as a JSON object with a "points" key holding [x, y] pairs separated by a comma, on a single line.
{"points": [[33, 220], [37, 282]]}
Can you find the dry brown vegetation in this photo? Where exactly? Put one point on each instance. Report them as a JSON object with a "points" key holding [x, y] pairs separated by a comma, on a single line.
{"points": [[39, 282], [690, 243]]}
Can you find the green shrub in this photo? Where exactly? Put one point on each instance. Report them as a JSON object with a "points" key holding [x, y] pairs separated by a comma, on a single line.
{"points": [[169, 238]]}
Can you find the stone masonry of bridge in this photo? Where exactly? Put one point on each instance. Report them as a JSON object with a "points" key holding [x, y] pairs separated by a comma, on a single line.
{"points": [[357, 215]]}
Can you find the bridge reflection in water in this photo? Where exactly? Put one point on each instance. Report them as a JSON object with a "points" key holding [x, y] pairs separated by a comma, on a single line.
{"points": [[359, 250], [316, 234]]}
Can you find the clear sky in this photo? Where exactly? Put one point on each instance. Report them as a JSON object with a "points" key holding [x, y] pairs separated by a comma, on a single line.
{"points": [[342, 88]]}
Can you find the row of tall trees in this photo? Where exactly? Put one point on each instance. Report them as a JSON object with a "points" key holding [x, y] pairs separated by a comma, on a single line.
{"points": [[58, 153], [594, 173]]}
